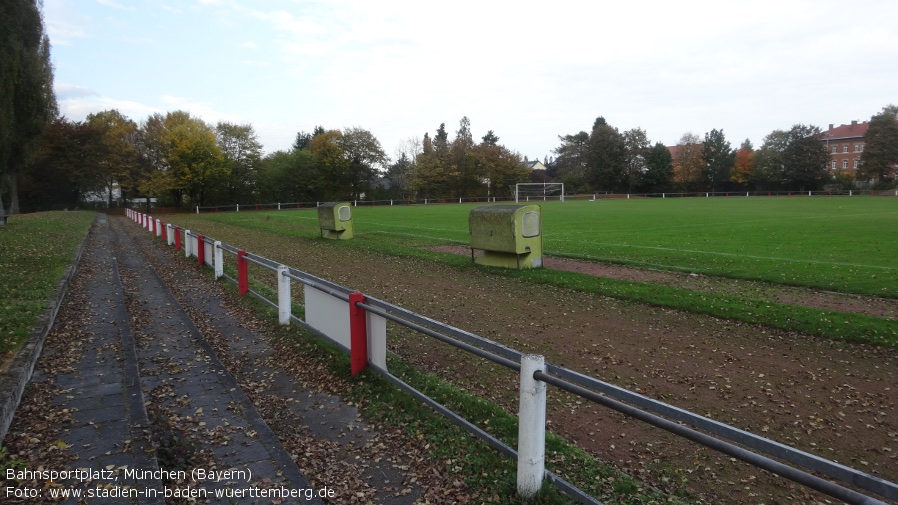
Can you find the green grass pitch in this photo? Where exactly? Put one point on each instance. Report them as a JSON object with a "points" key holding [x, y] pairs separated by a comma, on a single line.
{"points": [[847, 244]]}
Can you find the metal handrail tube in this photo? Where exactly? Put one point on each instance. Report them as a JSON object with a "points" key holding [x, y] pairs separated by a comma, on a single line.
{"points": [[229, 248], [788, 472], [321, 282], [264, 264], [492, 441], [495, 358], [457, 333], [263, 299], [807, 460], [324, 289]]}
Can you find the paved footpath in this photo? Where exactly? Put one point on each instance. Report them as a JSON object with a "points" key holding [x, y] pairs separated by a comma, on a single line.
{"points": [[145, 354]]}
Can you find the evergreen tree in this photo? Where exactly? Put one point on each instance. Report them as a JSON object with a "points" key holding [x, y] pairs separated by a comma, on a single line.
{"points": [[718, 158], [606, 163], [302, 141], [880, 146], [659, 172], [27, 103], [804, 159]]}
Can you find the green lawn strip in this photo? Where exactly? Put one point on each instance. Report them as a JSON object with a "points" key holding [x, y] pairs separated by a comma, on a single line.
{"points": [[35, 250], [846, 326]]}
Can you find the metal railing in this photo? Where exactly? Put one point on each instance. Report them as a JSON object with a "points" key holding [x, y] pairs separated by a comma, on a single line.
{"points": [[757, 451]]}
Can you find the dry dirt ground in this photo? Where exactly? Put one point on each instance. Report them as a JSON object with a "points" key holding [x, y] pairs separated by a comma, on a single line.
{"points": [[832, 399]]}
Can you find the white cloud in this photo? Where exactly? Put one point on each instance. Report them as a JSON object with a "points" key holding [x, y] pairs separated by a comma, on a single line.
{"points": [[203, 110], [116, 5], [66, 91], [77, 108]]}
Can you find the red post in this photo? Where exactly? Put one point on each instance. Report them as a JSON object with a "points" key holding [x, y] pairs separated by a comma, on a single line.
{"points": [[200, 250], [242, 273], [177, 238], [358, 334], [164, 233]]}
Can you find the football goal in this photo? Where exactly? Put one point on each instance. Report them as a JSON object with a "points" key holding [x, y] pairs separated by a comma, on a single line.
{"points": [[538, 191]]}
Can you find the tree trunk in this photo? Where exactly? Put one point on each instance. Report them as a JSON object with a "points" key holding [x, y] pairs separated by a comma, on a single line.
{"points": [[13, 186]]}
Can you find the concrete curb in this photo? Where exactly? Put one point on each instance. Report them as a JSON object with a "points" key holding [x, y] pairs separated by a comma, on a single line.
{"points": [[16, 377]]}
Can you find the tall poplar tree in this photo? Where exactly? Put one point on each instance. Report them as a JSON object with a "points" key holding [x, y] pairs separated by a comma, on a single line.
{"points": [[719, 158], [880, 146], [27, 102]]}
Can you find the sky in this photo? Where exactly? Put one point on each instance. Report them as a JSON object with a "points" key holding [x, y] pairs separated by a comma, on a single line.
{"points": [[529, 71]]}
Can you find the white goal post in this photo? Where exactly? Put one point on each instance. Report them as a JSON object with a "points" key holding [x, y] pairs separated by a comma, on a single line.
{"points": [[538, 191]]}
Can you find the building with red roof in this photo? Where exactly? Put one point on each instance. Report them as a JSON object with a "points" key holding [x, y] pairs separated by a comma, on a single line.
{"points": [[845, 144]]}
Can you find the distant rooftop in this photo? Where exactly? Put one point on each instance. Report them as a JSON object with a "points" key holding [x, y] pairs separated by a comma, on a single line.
{"points": [[846, 131]]}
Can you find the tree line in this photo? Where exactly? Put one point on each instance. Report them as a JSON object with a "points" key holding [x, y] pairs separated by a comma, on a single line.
{"points": [[606, 159], [176, 159]]}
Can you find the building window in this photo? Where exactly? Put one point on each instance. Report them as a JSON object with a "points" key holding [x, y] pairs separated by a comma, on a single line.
{"points": [[856, 162], [834, 165], [859, 148], [844, 148], [835, 149], [844, 163]]}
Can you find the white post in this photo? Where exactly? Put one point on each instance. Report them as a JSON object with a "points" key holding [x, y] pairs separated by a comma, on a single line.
{"points": [[279, 205], [219, 260], [186, 243], [850, 193], [238, 207], [158, 229], [169, 233], [197, 209], [283, 295], [531, 427]]}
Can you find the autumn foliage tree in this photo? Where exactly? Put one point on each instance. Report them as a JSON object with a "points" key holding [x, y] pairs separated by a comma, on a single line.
{"points": [[743, 164], [117, 158], [688, 162]]}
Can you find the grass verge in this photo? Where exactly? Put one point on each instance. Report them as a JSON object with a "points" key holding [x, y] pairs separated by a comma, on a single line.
{"points": [[35, 250]]}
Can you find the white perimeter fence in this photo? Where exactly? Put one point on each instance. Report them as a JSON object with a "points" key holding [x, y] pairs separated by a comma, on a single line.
{"points": [[356, 323], [536, 198]]}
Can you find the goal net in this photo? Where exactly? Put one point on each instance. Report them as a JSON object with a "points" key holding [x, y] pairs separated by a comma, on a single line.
{"points": [[538, 191]]}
